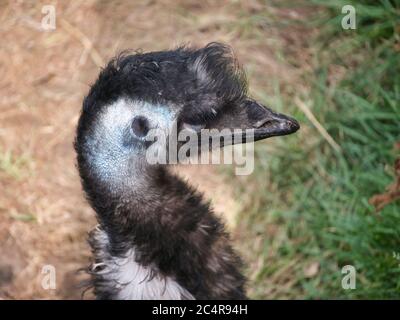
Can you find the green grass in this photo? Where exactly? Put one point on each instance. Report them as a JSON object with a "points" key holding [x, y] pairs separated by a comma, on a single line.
{"points": [[315, 199], [14, 166]]}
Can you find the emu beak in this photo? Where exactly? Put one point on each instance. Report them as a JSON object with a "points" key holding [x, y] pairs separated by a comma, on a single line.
{"points": [[262, 122], [246, 122], [267, 123]]}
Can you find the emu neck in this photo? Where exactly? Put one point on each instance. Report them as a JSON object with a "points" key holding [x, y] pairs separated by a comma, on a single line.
{"points": [[151, 203], [164, 227]]}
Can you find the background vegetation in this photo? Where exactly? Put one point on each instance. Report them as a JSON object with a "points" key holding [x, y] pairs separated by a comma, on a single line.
{"points": [[318, 207]]}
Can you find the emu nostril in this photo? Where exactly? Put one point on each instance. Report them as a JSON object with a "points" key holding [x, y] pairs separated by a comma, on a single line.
{"points": [[266, 121]]}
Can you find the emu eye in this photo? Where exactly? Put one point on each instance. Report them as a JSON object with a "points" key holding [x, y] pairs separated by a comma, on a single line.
{"points": [[140, 126], [193, 127]]}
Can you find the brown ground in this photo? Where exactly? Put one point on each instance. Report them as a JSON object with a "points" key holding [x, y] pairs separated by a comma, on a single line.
{"points": [[44, 76]]}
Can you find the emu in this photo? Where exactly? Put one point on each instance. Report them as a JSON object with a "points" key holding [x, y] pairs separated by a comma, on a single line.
{"points": [[157, 238]]}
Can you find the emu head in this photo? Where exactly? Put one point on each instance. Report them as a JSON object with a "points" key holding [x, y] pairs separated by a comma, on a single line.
{"points": [[139, 94]]}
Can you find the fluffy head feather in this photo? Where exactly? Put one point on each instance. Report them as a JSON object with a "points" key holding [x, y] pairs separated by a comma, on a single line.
{"points": [[197, 82]]}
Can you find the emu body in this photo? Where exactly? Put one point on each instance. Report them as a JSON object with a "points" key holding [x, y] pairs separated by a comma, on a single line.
{"points": [[157, 238]]}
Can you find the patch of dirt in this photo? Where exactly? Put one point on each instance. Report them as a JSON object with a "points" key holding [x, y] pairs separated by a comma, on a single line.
{"points": [[44, 219], [392, 192]]}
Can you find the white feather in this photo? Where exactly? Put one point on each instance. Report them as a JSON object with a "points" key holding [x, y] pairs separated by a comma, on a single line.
{"points": [[132, 280]]}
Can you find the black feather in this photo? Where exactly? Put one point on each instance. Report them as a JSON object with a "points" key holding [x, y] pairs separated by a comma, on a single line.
{"points": [[170, 225]]}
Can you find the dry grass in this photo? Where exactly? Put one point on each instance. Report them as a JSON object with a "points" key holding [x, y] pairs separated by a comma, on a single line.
{"points": [[44, 76]]}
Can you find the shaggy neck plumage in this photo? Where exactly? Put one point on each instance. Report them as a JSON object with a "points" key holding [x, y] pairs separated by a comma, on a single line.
{"points": [[172, 230], [154, 203]]}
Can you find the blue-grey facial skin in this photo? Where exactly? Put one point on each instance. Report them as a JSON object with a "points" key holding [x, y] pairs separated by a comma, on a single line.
{"points": [[115, 152]]}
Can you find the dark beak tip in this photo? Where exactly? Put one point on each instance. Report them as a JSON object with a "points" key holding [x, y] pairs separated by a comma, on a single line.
{"points": [[293, 125]]}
